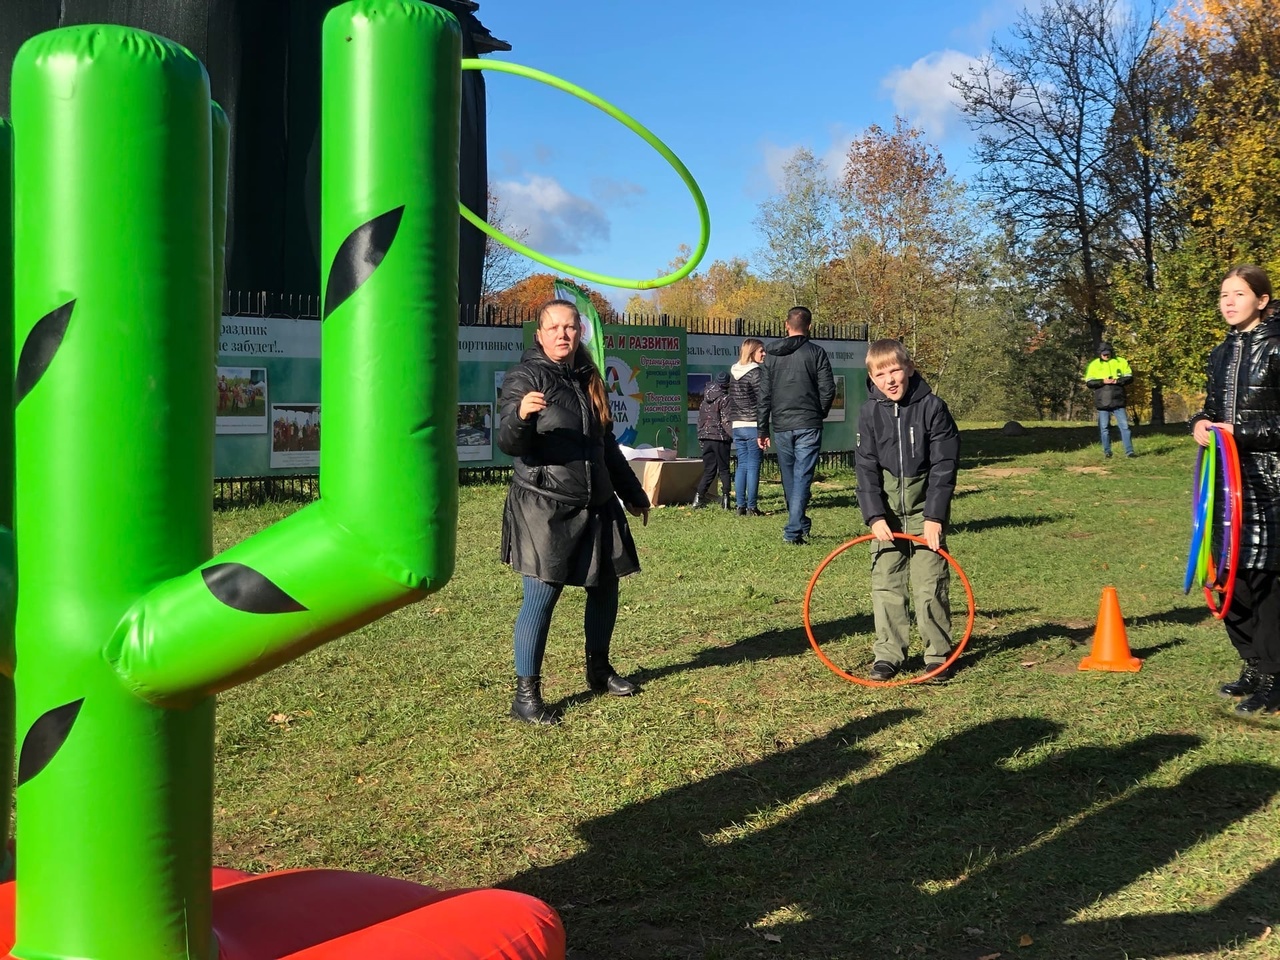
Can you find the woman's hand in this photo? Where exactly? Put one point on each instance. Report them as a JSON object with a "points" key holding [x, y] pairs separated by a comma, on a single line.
{"points": [[531, 403], [642, 512], [1203, 432]]}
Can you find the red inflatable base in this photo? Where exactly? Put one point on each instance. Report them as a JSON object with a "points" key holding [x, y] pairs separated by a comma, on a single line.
{"points": [[335, 915]]}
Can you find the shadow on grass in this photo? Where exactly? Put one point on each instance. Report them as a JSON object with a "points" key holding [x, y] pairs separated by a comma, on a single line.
{"points": [[956, 852], [769, 645], [995, 523], [1080, 635]]}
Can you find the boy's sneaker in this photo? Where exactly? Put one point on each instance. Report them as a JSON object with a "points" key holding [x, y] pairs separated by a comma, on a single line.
{"points": [[1265, 699], [883, 670], [941, 676]]}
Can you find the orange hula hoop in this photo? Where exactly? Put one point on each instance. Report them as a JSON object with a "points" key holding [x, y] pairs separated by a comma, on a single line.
{"points": [[955, 652]]}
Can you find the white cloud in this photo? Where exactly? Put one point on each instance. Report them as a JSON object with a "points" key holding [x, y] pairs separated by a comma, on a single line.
{"points": [[557, 221], [923, 94], [620, 192]]}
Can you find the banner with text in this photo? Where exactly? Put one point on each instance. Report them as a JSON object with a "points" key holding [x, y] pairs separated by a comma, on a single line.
{"points": [[268, 397]]}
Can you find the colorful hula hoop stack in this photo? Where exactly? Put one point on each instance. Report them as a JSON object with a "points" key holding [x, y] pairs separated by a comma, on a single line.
{"points": [[1216, 575]]}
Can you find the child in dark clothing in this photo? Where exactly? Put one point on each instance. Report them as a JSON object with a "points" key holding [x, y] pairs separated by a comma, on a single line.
{"points": [[1243, 398], [715, 433], [907, 456]]}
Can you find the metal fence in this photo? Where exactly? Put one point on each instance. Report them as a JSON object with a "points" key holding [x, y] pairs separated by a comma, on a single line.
{"points": [[232, 492]]}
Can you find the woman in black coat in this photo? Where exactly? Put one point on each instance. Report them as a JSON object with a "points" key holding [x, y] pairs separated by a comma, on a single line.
{"points": [[562, 523]]}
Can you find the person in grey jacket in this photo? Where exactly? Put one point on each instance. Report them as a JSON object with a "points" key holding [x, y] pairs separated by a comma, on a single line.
{"points": [[906, 459], [797, 389]]}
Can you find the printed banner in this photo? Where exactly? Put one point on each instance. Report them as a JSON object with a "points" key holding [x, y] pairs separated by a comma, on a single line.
{"points": [[484, 356], [268, 397]]}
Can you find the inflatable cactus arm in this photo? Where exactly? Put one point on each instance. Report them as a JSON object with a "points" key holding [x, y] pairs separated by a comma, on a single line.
{"points": [[126, 625], [384, 531]]}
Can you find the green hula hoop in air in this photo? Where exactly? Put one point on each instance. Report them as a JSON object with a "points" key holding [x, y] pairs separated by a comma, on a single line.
{"points": [[704, 216]]}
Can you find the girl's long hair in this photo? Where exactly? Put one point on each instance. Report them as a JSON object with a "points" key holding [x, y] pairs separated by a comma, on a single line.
{"points": [[582, 362], [747, 352]]}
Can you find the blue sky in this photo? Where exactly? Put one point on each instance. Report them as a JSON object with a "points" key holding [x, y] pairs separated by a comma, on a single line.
{"points": [[731, 87]]}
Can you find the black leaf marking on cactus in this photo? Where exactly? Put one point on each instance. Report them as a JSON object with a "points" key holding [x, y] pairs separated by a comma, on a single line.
{"points": [[359, 256], [244, 588], [45, 738], [37, 352]]}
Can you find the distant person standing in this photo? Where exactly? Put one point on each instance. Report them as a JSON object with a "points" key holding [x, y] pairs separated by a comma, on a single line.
{"points": [[1106, 376], [715, 434], [744, 391], [796, 393]]}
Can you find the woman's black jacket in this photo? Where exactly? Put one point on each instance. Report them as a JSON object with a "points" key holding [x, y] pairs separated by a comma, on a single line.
{"points": [[1244, 391]]}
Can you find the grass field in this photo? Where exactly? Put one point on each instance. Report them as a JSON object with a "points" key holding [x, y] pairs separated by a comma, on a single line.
{"points": [[751, 803]]}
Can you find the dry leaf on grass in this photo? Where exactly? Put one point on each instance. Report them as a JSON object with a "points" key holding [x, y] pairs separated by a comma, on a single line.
{"points": [[990, 956], [1025, 940], [773, 938]]}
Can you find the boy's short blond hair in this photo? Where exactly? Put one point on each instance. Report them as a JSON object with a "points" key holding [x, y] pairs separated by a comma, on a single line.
{"points": [[881, 353]]}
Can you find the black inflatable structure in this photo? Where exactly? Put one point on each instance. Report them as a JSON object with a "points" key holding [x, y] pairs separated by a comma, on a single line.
{"points": [[263, 58]]}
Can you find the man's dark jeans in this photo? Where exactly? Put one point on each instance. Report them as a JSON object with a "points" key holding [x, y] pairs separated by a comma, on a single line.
{"points": [[797, 461]]}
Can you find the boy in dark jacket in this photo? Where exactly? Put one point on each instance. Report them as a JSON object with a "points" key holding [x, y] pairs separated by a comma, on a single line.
{"points": [[908, 452], [715, 433]]}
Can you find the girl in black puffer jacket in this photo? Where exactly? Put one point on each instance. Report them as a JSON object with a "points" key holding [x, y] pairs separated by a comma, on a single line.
{"points": [[1243, 397]]}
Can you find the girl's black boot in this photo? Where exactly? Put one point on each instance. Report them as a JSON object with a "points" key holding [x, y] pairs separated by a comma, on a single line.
{"points": [[1265, 699], [1248, 682], [602, 678], [528, 705]]}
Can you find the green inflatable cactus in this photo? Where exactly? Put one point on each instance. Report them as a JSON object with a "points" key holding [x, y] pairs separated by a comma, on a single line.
{"points": [[126, 626]]}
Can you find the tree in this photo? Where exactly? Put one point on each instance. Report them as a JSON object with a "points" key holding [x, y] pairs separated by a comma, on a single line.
{"points": [[796, 225], [1228, 170], [1043, 107], [502, 267], [522, 299], [904, 241]]}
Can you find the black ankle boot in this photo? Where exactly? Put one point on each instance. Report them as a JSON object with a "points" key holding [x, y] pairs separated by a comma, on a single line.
{"points": [[1248, 682], [698, 502], [602, 678], [528, 705], [724, 501], [1265, 699]]}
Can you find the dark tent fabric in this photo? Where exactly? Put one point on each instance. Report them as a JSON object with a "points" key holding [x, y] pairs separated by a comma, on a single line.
{"points": [[263, 60]]}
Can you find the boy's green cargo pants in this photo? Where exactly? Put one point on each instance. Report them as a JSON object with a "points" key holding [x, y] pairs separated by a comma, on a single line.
{"points": [[902, 569]]}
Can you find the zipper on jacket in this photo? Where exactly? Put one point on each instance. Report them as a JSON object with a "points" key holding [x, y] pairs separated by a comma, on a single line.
{"points": [[1234, 387], [902, 467]]}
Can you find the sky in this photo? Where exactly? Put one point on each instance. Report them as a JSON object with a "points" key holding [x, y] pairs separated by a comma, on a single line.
{"points": [[732, 87]]}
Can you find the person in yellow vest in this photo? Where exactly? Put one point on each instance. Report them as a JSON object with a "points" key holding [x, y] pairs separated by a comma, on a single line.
{"points": [[1106, 376]]}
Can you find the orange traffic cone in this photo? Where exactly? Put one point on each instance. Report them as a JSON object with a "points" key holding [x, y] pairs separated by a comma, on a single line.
{"points": [[1110, 645]]}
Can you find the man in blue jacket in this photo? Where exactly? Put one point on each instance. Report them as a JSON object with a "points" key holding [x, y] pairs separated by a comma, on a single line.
{"points": [[796, 393], [1106, 376]]}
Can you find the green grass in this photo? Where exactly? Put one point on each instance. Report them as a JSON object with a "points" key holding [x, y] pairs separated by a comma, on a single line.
{"points": [[751, 803]]}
